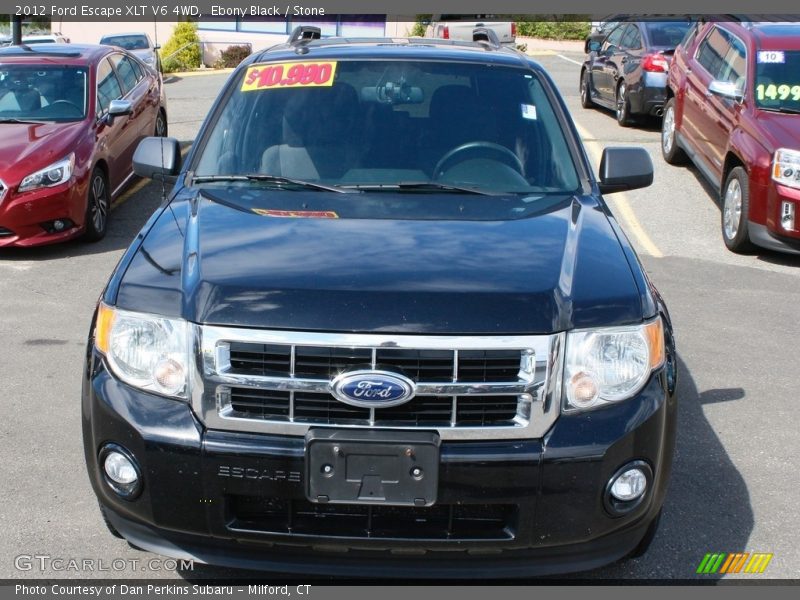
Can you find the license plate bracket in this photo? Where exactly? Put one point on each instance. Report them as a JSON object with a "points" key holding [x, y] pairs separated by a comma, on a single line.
{"points": [[398, 468]]}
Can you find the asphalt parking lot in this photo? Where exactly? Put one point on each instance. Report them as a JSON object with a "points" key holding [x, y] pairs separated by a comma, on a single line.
{"points": [[734, 483]]}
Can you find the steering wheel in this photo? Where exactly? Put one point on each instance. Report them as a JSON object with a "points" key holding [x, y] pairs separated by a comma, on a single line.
{"points": [[505, 153]]}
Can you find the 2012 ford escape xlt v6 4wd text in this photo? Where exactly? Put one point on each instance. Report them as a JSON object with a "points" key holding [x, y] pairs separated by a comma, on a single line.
{"points": [[384, 324]]}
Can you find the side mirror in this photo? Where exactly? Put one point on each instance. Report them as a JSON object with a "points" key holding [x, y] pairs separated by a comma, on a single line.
{"points": [[118, 108], [157, 158], [594, 46], [725, 89], [624, 168]]}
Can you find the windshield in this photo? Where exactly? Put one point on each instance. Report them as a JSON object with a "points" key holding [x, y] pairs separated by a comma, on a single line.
{"points": [[42, 93], [129, 42], [777, 83], [380, 124], [667, 34]]}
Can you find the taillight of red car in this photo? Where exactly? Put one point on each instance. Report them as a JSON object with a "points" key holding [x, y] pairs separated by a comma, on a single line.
{"points": [[655, 63]]}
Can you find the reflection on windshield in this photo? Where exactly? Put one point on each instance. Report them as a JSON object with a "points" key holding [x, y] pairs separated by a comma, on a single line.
{"points": [[42, 93], [777, 84], [381, 123]]}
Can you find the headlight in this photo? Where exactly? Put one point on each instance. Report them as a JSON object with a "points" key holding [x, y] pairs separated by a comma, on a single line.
{"points": [[57, 173], [610, 364], [786, 167], [146, 351]]}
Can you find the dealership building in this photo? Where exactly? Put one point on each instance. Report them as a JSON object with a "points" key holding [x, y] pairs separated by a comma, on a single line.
{"points": [[217, 34]]}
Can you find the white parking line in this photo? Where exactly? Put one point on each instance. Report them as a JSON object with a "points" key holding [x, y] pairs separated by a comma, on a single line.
{"points": [[572, 60]]}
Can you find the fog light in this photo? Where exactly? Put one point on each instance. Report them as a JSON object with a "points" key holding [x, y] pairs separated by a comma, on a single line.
{"points": [[629, 485], [121, 472], [119, 468], [787, 215], [627, 488]]}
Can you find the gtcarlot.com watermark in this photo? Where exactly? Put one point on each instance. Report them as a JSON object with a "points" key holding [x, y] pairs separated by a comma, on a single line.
{"points": [[46, 563]]}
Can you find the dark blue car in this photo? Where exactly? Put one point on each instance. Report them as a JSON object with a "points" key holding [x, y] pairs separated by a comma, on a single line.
{"points": [[384, 325], [627, 71]]}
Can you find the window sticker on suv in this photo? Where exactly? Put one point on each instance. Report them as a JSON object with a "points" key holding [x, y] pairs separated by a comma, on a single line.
{"points": [[771, 56], [301, 74]]}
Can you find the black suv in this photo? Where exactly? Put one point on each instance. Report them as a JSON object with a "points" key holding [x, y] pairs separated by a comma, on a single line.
{"points": [[384, 324]]}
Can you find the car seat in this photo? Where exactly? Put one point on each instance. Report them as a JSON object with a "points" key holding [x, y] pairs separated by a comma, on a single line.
{"points": [[321, 135]]}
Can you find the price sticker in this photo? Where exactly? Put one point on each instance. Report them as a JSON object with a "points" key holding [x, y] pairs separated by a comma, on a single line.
{"points": [[289, 75], [771, 57]]}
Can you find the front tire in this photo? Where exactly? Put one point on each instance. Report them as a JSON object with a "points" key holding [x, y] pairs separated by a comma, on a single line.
{"points": [[98, 206], [670, 150], [623, 106], [161, 124], [735, 211], [586, 91]]}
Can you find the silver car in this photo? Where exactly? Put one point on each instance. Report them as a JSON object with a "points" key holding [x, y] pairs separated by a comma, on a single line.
{"points": [[138, 43]]}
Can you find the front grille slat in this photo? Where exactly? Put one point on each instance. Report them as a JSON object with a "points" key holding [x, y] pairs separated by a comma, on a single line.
{"points": [[441, 521], [473, 405]]}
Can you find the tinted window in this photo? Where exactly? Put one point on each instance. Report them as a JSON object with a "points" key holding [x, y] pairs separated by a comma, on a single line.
{"points": [[129, 42], [666, 34], [392, 122], [126, 72], [712, 51], [631, 38], [43, 92], [108, 87], [777, 81], [614, 38]]}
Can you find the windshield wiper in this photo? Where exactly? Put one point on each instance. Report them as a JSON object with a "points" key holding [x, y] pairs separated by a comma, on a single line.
{"points": [[783, 109], [277, 179], [21, 121], [413, 186]]}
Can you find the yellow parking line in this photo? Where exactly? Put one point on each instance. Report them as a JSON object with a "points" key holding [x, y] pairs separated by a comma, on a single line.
{"points": [[620, 200]]}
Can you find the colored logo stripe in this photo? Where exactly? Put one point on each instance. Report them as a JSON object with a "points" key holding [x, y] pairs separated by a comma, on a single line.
{"points": [[725, 563]]}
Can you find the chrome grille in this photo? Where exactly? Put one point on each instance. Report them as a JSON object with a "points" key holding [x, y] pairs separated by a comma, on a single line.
{"points": [[466, 387]]}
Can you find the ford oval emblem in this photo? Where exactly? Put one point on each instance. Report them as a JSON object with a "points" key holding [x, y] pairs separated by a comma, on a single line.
{"points": [[372, 389]]}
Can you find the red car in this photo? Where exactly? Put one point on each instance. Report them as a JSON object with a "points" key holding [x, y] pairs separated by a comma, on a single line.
{"points": [[734, 110], [70, 119]]}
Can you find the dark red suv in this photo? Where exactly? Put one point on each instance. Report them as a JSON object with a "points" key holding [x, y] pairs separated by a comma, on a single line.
{"points": [[70, 118], [734, 110]]}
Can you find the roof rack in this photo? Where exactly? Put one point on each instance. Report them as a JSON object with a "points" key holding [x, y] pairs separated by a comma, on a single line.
{"points": [[485, 35]]}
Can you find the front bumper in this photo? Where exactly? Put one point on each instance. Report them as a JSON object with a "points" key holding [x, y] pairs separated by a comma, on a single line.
{"points": [[203, 491], [24, 217]]}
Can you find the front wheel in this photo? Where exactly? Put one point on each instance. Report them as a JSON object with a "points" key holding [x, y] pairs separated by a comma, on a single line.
{"points": [[97, 207], [670, 150], [735, 211], [586, 91], [161, 124], [623, 106]]}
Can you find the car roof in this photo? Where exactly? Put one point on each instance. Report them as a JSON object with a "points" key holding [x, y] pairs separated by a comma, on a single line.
{"points": [[55, 53], [394, 48], [769, 35]]}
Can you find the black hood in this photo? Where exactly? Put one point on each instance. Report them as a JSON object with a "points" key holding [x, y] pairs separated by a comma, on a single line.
{"points": [[555, 269]]}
